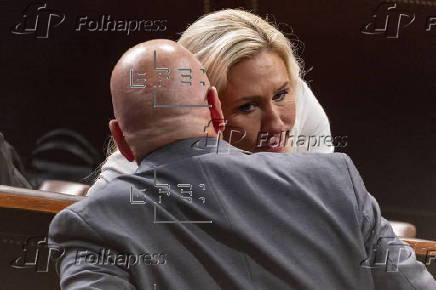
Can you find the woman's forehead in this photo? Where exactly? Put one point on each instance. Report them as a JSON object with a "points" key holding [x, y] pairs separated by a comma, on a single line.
{"points": [[265, 70]]}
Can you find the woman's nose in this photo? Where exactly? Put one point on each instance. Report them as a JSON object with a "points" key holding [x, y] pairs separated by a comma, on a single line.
{"points": [[272, 121]]}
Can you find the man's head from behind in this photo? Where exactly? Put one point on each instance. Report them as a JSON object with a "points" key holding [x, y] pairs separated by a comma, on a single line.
{"points": [[160, 94]]}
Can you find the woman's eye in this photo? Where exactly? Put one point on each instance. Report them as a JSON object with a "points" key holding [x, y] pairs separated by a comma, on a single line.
{"points": [[280, 95], [246, 108]]}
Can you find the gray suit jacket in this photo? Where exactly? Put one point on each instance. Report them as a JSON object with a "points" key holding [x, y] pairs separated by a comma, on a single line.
{"points": [[194, 218]]}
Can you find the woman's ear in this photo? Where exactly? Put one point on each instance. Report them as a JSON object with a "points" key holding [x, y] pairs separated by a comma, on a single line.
{"points": [[216, 112], [118, 136]]}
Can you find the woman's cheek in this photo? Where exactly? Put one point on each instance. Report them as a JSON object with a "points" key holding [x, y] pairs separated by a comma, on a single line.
{"points": [[287, 115], [252, 129]]}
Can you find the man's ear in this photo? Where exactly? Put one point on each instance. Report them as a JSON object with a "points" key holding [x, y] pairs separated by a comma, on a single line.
{"points": [[118, 136], [216, 112]]}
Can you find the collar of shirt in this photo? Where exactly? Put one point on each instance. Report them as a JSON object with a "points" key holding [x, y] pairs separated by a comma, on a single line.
{"points": [[186, 148]]}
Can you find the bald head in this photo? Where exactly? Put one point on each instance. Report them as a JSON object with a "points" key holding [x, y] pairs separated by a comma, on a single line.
{"points": [[159, 95]]}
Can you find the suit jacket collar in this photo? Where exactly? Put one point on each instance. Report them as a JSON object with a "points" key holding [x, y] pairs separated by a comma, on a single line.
{"points": [[185, 148]]}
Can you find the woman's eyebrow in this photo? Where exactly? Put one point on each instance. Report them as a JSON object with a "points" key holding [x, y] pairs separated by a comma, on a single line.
{"points": [[286, 83]]}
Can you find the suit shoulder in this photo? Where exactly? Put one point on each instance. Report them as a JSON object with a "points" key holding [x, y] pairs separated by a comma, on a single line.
{"points": [[287, 161], [308, 163], [115, 192]]}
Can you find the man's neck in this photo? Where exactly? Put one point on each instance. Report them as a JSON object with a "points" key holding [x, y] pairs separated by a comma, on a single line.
{"points": [[153, 144]]}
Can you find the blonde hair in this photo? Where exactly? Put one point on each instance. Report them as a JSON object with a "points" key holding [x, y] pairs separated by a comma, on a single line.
{"points": [[223, 38]]}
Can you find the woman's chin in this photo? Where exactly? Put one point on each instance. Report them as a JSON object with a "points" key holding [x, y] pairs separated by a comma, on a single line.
{"points": [[273, 149]]}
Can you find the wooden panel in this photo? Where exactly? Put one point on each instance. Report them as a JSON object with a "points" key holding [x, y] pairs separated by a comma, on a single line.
{"points": [[35, 200], [422, 247]]}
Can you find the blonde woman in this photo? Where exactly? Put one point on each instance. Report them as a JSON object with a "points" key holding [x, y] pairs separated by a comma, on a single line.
{"points": [[259, 82]]}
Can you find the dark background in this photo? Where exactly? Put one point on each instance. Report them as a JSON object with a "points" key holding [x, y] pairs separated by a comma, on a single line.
{"points": [[378, 91]]}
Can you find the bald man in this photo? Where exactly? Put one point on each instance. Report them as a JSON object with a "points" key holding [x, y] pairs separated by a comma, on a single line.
{"points": [[143, 121], [201, 214]]}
